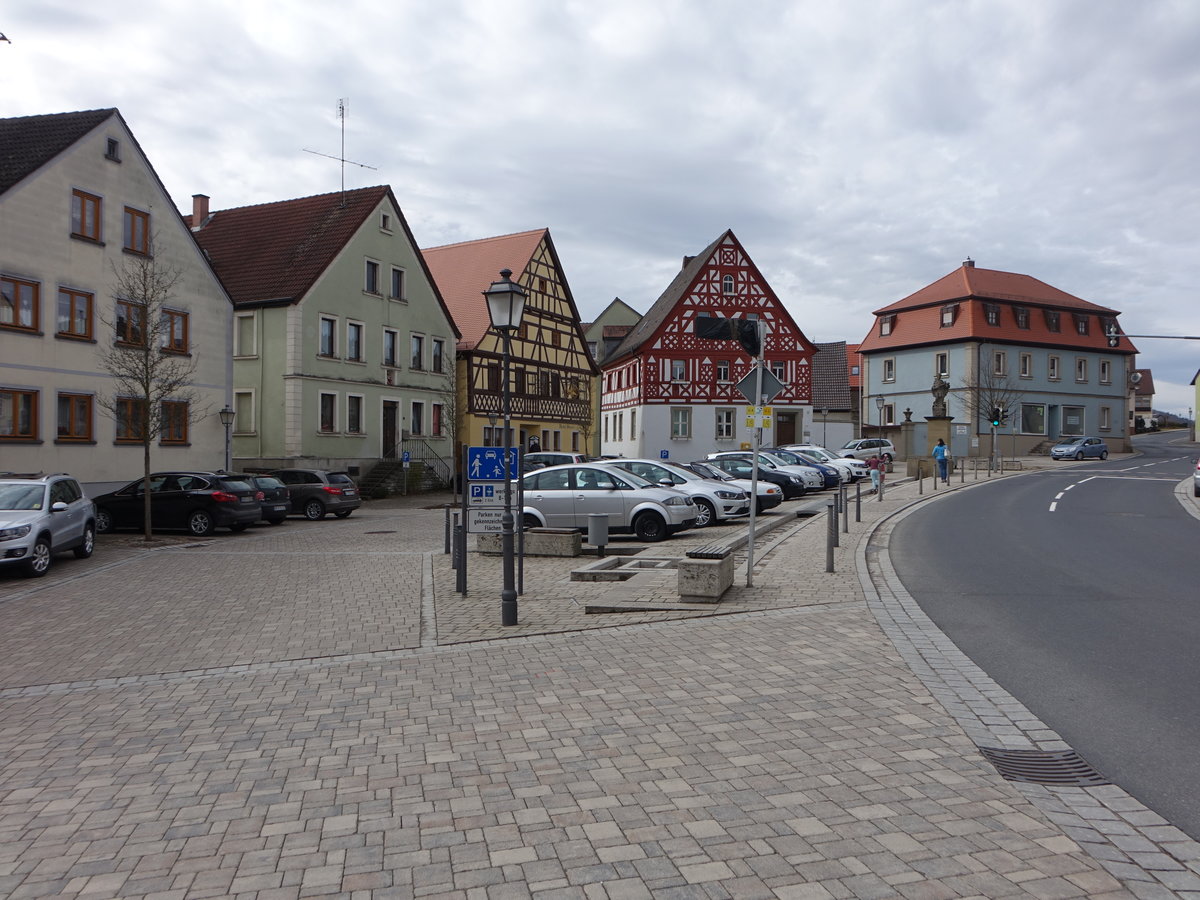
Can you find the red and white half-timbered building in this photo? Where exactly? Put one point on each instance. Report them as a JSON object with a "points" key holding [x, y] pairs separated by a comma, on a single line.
{"points": [[666, 389]]}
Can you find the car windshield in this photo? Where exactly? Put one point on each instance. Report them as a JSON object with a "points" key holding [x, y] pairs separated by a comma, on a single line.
{"points": [[1070, 442], [21, 496], [625, 477], [711, 472], [819, 452]]}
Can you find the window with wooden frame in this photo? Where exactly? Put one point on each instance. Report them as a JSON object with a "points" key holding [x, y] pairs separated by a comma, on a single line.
{"points": [[74, 313], [354, 418], [371, 278], [679, 370], [399, 285], [131, 323], [435, 425], [131, 420], [492, 378], [889, 369], [941, 364], [1053, 320], [175, 331], [778, 368], [85, 215], [574, 441], [137, 231], [991, 313], [889, 414], [949, 314], [74, 417], [418, 353], [174, 422], [327, 414], [416, 419], [887, 325], [20, 308], [18, 414]]}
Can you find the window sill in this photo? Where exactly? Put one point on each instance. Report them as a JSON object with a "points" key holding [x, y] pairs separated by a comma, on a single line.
{"points": [[17, 329], [174, 444], [14, 439], [129, 251], [357, 362], [251, 356], [398, 299], [87, 240], [324, 356], [376, 294], [67, 442], [80, 338]]}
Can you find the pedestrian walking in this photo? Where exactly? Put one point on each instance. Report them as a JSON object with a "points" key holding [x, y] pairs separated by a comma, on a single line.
{"points": [[941, 453], [875, 464]]}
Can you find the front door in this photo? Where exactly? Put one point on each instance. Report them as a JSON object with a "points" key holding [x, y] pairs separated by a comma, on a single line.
{"points": [[785, 429], [391, 411]]}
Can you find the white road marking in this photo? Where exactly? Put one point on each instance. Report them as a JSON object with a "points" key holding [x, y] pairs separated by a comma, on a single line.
{"points": [[1054, 505], [1059, 495]]}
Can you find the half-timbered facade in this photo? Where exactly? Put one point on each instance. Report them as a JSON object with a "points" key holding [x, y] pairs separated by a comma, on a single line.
{"points": [[550, 368], [666, 389]]}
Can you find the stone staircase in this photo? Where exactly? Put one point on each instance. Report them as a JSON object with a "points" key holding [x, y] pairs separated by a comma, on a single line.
{"points": [[389, 476]]}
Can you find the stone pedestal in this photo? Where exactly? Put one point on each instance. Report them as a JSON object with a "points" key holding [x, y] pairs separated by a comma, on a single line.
{"points": [[936, 427]]}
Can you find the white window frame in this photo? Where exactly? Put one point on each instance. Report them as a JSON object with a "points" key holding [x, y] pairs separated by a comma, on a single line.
{"points": [[1106, 371], [941, 364], [888, 375], [681, 423], [362, 406], [394, 362], [725, 423], [723, 363], [244, 422], [414, 336], [321, 395], [633, 424], [239, 351], [333, 332], [1053, 368], [606, 427], [889, 414], [398, 271], [351, 325], [1000, 363], [679, 370], [1026, 365], [728, 286], [385, 223], [434, 365], [412, 407], [1081, 370], [1105, 419]]}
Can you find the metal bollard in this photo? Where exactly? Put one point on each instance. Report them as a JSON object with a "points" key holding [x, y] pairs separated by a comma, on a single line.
{"points": [[831, 538], [836, 542], [597, 531], [858, 501], [845, 509], [879, 497], [460, 547], [920, 478], [447, 535]]}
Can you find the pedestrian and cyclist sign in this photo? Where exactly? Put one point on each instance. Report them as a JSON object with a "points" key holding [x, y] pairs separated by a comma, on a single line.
{"points": [[487, 463]]}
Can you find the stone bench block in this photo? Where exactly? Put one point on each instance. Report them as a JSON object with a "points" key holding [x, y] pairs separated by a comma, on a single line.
{"points": [[705, 580], [538, 542]]}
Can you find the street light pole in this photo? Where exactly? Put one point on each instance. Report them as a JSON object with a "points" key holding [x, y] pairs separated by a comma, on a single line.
{"points": [[226, 416], [824, 435], [506, 304], [879, 403]]}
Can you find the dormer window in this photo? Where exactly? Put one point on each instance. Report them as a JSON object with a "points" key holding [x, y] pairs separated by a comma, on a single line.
{"points": [[1053, 321], [991, 313], [886, 325], [1021, 314], [112, 150], [1081, 323], [949, 314]]}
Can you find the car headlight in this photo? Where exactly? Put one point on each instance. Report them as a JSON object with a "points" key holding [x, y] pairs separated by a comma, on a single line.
{"points": [[17, 531], [796, 479], [730, 495], [677, 501]]}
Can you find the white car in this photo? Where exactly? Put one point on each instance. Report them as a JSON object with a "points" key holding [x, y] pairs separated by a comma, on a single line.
{"points": [[769, 495], [854, 469], [811, 478], [865, 448], [715, 501]]}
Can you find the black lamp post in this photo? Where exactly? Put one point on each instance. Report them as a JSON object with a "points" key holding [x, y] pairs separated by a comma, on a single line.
{"points": [[824, 419], [227, 415], [879, 406], [506, 304]]}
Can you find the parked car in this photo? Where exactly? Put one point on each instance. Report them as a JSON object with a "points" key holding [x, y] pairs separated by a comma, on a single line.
{"points": [[769, 495], [810, 477], [865, 448], [1079, 448], [715, 501], [276, 500], [316, 492], [551, 458], [739, 466], [563, 496], [831, 474], [199, 502], [41, 515], [1196, 480], [856, 469]]}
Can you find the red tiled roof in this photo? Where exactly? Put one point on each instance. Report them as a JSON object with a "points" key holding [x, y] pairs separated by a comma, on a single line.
{"points": [[1145, 385], [918, 317], [853, 359], [464, 271]]}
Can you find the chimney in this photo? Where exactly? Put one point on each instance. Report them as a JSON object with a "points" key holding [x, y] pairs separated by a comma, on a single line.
{"points": [[686, 260], [968, 263], [199, 211]]}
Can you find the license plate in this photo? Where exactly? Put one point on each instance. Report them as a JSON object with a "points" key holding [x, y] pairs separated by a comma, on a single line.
{"points": [[349, 492], [278, 508], [246, 500]]}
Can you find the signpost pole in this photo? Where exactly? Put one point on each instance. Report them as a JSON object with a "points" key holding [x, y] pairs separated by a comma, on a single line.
{"points": [[758, 404]]}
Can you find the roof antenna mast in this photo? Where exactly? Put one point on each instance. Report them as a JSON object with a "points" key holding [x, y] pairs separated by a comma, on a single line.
{"points": [[341, 113]]}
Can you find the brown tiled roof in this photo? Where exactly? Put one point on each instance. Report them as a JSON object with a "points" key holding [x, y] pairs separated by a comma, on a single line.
{"points": [[1145, 385], [615, 331], [853, 358], [463, 272], [29, 142], [830, 377], [918, 317]]}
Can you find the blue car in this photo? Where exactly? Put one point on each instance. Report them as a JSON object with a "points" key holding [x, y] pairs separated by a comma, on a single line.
{"points": [[831, 475], [1079, 448]]}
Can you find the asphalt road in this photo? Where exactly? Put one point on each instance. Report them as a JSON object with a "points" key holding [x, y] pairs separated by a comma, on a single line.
{"points": [[1076, 589]]}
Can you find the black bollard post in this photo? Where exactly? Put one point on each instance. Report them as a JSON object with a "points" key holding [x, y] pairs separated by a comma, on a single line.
{"points": [[831, 537], [858, 501]]}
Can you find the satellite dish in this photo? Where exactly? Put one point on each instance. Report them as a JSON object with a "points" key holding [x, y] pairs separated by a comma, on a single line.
{"points": [[1135, 378]]}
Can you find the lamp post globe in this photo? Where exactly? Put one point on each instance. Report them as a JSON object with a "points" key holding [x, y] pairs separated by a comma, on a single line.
{"points": [[227, 415]]}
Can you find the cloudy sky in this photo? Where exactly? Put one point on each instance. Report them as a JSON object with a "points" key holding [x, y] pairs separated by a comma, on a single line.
{"points": [[859, 150]]}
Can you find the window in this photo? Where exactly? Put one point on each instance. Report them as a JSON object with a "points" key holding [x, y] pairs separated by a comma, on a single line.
{"points": [[398, 284], [1052, 368], [131, 323], [991, 313], [354, 414], [889, 414], [418, 352], [1080, 369], [385, 222], [391, 342], [1072, 420], [1033, 418], [722, 370], [725, 423], [1105, 371], [371, 282], [417, 421], [174, 422], [131, 420], [606, 428], [679, 370], [999, 363], [74, 313], [85, 215], [727, 285], [328, 339], [112, 150], [175, 331], [886, 324], [574, 441], [1053, 322], [949, 314], [244, 337], [439, 356], [243, 408], [74, 417], [19, 306], [18, 414], [354, 341], [328, 413], [889, 369], [620, 426], [1081, 323], [941, 364], [633, 424], [1026, 365], [436, 423], [137, 231], [1105, 418], [1021, 314], [681, 423], [778, 368]]}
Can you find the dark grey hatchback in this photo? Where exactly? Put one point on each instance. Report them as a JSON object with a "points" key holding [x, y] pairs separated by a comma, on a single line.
{"points": [[316, 492], [275, 500]]}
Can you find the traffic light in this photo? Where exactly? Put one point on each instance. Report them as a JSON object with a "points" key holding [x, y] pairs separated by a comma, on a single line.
{"points": [[1114, 336], [1003, 416], [996, 417]]}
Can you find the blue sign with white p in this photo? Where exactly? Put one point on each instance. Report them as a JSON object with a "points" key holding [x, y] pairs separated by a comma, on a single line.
{"points": [[664, 454]]}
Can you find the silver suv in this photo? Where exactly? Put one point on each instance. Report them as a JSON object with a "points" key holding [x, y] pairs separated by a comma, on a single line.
{"points": [[865, 448], [41, 515], [715, 501]]}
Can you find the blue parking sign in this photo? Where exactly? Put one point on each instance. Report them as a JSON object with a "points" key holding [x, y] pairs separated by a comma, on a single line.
{"points": [[664, 454], [487, 463]]}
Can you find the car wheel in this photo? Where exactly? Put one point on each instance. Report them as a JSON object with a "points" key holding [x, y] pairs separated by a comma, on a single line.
{"points": [[650, 527], [104, 522], [341, 514], [88, 544], [705, 514], [529, 520], [1104, 454], [38, 563], [275, 521], [314, 510], [200, 523], [239, 527], [1079, 456]]}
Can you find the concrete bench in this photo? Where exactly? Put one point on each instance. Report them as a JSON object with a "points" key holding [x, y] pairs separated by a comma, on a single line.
{"points": [[706, 574], [538, 542]]}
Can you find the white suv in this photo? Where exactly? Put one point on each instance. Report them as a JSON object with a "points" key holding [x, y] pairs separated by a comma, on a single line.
{"points": [[42, 515], [865, 448], [715, 501], [853, 469]]}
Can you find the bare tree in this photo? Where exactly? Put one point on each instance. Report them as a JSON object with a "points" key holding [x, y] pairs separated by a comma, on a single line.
{"points": [[986, 391], [150, 360]]}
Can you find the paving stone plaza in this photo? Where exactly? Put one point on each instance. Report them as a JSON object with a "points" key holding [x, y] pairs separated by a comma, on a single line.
{"points": [[312, 711]]}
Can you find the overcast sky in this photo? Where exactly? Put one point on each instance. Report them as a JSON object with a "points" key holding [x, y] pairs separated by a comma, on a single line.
{"points": [[859, 150]]}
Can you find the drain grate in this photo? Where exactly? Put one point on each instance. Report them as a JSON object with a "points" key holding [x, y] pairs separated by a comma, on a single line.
{"points": [[1057, 767], [379, 532]]}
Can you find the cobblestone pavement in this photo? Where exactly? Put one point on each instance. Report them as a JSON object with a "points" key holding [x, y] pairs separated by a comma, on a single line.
{"points": [[312, 711]]}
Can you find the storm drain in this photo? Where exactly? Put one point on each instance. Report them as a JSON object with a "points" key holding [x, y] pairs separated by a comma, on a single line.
{"points": [[379, 532], [1055, 767]]}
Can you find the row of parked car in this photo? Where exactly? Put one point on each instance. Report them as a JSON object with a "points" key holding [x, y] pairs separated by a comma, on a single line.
{"points": [[42, 515]]}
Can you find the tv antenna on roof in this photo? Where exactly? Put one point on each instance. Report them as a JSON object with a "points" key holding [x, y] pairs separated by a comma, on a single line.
{"points": [[341, 112]]}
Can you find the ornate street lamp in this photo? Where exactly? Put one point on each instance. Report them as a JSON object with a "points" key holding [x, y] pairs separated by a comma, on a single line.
{"points": [[227, 416], [506, 305], [879, 402]]}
